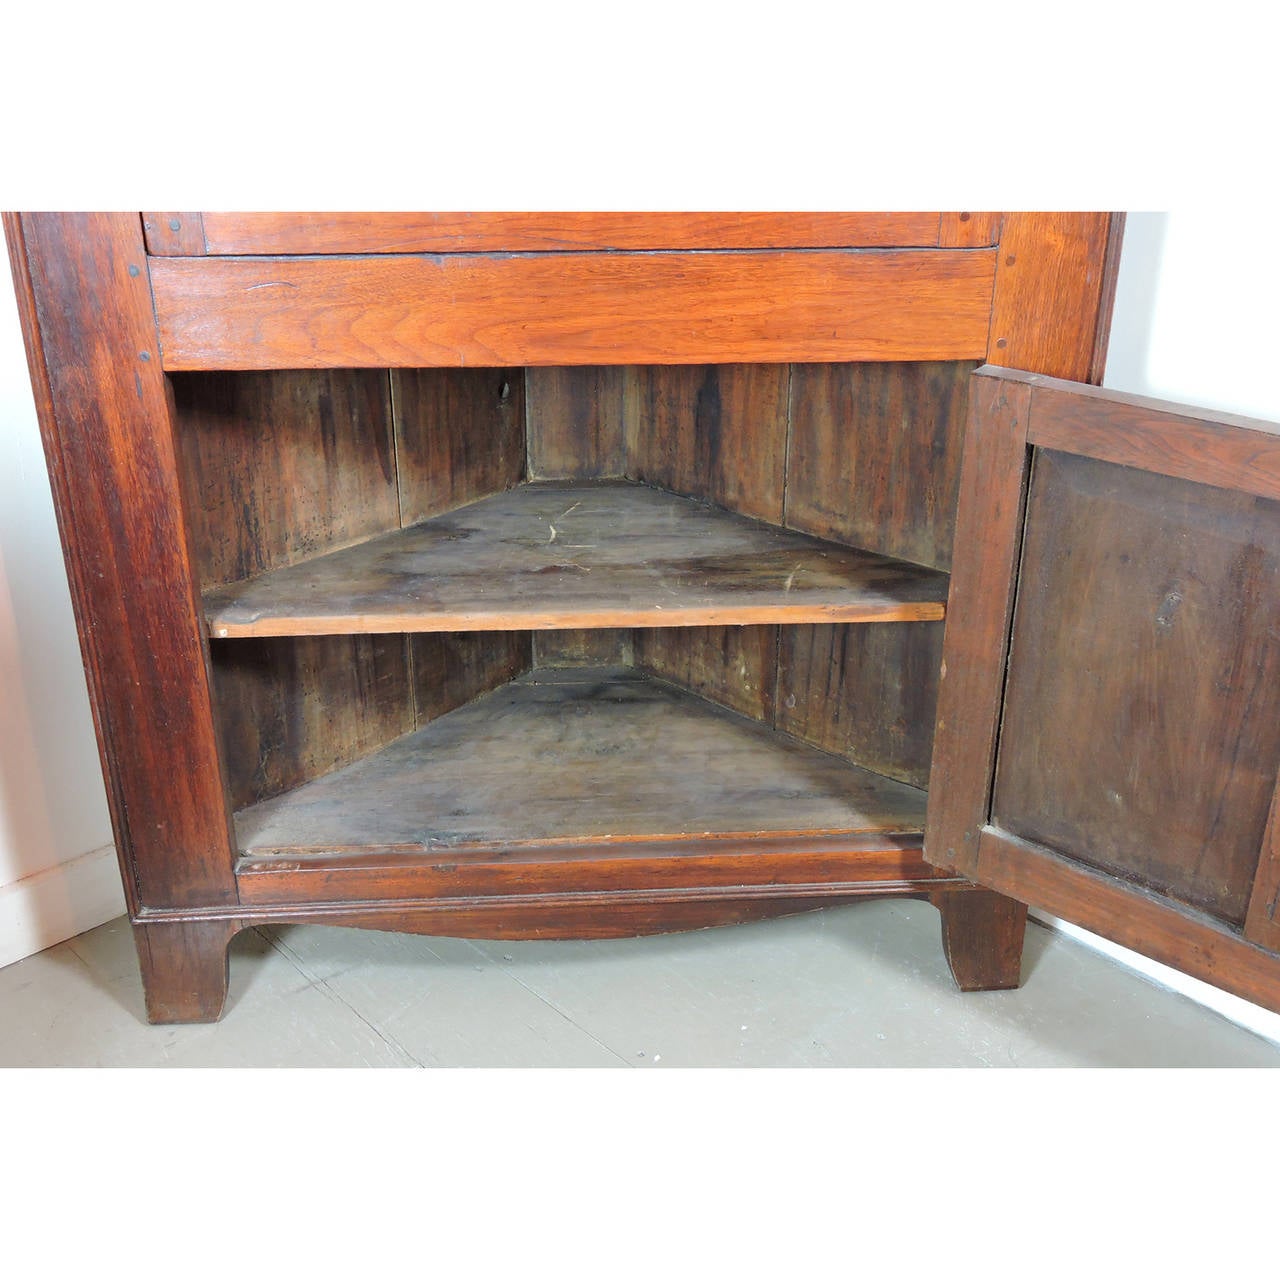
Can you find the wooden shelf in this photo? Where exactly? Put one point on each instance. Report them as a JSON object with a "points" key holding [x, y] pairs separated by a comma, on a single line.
{"points": [[584, 554], [586, 758]]}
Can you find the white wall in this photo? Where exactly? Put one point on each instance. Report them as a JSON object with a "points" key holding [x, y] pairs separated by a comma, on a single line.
{"points": [[58, 872], [1185, 328]]}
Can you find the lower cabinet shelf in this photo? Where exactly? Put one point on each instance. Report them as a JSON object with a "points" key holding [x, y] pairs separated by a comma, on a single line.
{"points": [[582, 780]]}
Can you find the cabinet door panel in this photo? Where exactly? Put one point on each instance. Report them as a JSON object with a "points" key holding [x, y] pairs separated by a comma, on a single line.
{"points": [[1136, 764]]}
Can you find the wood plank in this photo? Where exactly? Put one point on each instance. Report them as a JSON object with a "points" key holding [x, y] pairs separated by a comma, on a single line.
{"points": [[561, 309], [591, 554], [874, 457], [174, 234], [715, 432], [575, 422], [290, 709], [735, 667], [278, 467], [613, 647], [1054, 282], [1147, 635], [291, 233], [1262, 921], [969, 230], [106, 422], [1221, 449], [867, 693], [451, 668], [459, 437], [980, 606], [589, 756], [1131, 916]]}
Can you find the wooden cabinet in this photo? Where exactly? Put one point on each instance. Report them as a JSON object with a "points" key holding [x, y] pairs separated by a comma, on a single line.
{"points": [[1108, 744], [543, 575]]}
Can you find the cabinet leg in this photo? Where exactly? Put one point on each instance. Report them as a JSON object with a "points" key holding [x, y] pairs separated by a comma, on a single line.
{"points": [[184, 968], [982, 935]]}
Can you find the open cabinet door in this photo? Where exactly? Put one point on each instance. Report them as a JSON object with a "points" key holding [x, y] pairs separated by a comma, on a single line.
{"points": [[1108, 731]]}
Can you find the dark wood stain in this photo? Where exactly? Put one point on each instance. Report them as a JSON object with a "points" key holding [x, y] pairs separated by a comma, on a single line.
{"points": [[1147, 634], [576, 423], [459, 436], [732, 666], [280, 467]]}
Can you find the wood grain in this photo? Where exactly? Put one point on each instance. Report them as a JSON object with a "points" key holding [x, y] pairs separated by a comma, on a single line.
{"points": [[561, 309], [1147, 634], [982, 937], [450, 669], [1226, 450], [735, 667], [988, 533], [591, 554], [589, 755], [288, 233], [170, 234], [714, 432], [969, 230], [867, 693], [1262, 920], [106, 421], [576, 422], [1054, 282], [874, 456], [1131, 916], [459, 437], [184, 967], [290, 709], [279, 467]]}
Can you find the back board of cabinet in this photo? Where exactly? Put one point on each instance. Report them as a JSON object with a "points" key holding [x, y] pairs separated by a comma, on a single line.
{"points": [[526, 575]]}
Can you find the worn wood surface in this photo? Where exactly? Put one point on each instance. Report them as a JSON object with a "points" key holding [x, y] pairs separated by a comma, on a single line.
{"points": [[988, 533], [733, 666], [874, 457], [715, 432], [290, 709], [1054, 284], [579, 755], [1175, 935], [576, 422], [459, 437], [1147, 634], [868, 693], [287, 233], [282, 466], [982, 937], [184, 967], [105, 418], [605, 554], [173, 234], [613, 647], [562, 309], [1226, 450], [451, 668]]}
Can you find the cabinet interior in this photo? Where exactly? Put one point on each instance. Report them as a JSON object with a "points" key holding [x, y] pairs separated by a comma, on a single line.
{"points": [[288, 469]]}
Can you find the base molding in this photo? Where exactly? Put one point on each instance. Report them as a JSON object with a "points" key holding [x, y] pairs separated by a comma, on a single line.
{"points": [[50, 906]]}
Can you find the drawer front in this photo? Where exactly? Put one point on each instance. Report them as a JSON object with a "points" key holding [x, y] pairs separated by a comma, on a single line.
{"points": [[580, 308]]}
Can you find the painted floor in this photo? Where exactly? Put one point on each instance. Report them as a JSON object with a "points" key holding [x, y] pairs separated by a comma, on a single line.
{"points": [[853, 986]]}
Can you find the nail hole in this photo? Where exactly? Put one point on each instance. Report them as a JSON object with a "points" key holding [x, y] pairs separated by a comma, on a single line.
{"points": [[144, 355], [964, 217], [1002, 342], [1010, 260], [174, 224], [133, 271]]}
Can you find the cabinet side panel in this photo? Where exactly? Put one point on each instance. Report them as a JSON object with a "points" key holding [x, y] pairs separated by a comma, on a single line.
{"points": [[867, 692], [575, 422], [293, 708], [282, 466], [459, 436], [875, 455], [1139, 734], [107, 424], [732, 666], [716, 432], [450, 668]]}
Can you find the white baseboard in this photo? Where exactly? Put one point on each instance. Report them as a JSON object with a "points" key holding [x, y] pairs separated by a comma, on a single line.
{"points": [[1252, 1017], [51, 906]]}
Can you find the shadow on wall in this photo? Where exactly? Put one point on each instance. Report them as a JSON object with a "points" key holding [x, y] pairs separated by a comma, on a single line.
{"points": [[1133, 320]]}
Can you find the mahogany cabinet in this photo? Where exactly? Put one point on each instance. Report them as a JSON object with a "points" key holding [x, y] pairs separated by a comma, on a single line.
{"points": [[585, 575]]}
